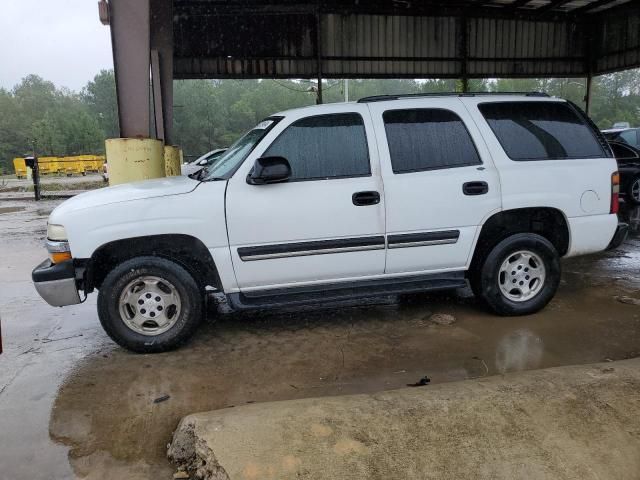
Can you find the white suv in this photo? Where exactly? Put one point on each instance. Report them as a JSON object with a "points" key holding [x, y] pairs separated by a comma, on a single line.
{"points": [[389, 195]]}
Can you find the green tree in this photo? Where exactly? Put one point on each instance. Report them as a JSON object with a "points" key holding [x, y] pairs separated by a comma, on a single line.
{"points": [[100, 97]]}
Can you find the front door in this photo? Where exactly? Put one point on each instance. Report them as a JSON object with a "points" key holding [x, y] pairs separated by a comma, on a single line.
{"points": [[440, 183], [327, 222]]}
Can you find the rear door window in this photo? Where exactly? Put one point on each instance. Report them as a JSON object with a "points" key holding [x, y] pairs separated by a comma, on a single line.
{"points": [[541, 131], [427, 139], [324, 147]]}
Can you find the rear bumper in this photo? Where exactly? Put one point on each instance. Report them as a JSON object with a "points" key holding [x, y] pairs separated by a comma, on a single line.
{"points": [[619, 236], [56, 283]]}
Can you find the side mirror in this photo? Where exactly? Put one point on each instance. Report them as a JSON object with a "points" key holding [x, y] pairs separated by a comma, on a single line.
{"points": [[269, 170], [202, 162]]}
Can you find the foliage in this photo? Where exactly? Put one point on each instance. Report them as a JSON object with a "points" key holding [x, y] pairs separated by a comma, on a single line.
{"points": [[213, 113]]}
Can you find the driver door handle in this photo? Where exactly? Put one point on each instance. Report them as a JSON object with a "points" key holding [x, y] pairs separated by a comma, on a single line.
{"points": [[362, 199]]}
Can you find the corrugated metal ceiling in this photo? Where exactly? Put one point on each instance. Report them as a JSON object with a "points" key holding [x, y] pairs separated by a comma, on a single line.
{"points": [[404, 38]]}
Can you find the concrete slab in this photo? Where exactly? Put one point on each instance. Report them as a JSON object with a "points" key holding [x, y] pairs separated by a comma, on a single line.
{"points": [[578, 422]]}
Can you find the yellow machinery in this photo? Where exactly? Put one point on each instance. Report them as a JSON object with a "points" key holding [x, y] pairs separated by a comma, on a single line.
{"points": [[48, 165], [90, 163], [20, 167]]}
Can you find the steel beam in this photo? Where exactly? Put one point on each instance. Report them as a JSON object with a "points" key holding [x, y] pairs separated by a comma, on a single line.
{"points": [[162, 42], [587, 95], [130, 41]]}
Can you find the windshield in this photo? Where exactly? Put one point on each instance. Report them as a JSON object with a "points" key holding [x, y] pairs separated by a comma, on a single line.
{"points": [[227, 164]]}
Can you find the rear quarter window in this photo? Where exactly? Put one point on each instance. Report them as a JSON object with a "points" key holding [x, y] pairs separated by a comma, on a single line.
{"points": [[541, 131]]}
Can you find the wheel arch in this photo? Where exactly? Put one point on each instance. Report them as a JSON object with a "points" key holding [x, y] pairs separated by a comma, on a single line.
{"points": [[186, 250], [548, 222]]}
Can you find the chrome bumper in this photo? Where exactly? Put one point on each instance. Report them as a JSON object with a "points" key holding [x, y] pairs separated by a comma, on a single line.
{"points": [[56, 283]]}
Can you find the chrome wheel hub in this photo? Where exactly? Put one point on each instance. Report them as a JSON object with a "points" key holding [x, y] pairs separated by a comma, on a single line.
{"points": [[149, 305], [522, 276]]}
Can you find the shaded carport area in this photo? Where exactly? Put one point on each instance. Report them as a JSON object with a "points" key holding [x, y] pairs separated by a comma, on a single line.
{"points": [[461, 39]]}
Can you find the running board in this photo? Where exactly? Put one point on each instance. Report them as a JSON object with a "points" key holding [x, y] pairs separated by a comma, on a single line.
{"points": [[307, 295]]}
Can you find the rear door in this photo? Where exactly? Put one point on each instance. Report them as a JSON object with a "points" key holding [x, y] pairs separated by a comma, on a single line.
{"points": [[440, 183]]}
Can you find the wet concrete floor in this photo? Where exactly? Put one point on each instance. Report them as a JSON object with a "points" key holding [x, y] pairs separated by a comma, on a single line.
{"points": [[72, 404]]}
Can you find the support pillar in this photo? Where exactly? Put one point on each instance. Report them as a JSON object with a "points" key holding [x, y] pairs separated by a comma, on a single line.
{"points": [[172, 156], [134, 159], [141, 31], [130, 41]]}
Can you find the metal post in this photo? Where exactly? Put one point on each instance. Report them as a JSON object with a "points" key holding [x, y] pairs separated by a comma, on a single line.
{"points": [[32, 162], [36, 179], [464, 53], [346, 89], [587, 95], [319, 57]]}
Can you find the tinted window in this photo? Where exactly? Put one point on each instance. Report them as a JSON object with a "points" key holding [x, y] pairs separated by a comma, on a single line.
{"points": [[425, 139], [541, 131], [324, 146], [630, 137]]}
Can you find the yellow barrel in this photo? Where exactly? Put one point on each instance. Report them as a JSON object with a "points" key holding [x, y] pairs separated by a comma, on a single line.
{"points": [[172, 160], [134, 159], [20, 167]]}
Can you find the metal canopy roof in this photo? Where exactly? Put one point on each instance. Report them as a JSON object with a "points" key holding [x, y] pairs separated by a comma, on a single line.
{"points": [[404, 38]]}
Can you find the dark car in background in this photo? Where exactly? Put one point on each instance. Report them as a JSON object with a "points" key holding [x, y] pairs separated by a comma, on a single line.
{"points": [[628, 158], [630, 136]]}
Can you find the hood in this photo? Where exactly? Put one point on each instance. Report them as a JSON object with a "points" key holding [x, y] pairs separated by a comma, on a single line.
{"points": [[160, 187]]}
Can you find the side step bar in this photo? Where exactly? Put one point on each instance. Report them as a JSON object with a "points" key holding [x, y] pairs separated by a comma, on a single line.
{"points": [[306, 295]]}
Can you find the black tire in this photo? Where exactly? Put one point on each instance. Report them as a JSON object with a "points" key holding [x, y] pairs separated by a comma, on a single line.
{"points": [[485, 282], [116, 281], [630, 197]]}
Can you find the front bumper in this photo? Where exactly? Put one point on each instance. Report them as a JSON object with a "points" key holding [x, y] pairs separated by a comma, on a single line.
{"points": [[621, 234], [56, 283]]}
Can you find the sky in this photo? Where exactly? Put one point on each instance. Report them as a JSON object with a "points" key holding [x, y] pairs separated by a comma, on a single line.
{"points": [[61, 40]]}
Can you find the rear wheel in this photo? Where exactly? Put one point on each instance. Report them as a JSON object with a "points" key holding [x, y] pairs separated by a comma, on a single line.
{"points": [[149, 304], [519, 276], [633, 191]]}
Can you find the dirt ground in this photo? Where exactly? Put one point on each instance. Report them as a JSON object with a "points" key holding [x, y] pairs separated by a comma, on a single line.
{"points": [[72, 404]]}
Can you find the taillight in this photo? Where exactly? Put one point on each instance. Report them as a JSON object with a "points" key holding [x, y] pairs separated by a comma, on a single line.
{"points": [[615, 192]]}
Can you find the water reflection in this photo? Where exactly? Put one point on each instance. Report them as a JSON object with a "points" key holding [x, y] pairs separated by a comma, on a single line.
{"points": [[519, 350]]}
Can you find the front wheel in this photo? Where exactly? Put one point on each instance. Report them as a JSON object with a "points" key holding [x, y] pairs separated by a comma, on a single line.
{"points": [[149, 304], [520, 275]]}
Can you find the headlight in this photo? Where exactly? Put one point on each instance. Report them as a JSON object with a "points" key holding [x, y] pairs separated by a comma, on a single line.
{"points": [[57, 244], [56, 233]]}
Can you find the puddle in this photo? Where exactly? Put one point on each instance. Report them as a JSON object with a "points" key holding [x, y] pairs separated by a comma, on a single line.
{"points": [[11, 209]]}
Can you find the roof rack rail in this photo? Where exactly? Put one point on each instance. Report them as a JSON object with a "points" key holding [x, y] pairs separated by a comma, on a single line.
{"points": [[382, 98]]}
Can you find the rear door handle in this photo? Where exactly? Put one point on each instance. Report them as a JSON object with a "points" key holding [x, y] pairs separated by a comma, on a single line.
{"points": [[362, 199], [475, 188]]}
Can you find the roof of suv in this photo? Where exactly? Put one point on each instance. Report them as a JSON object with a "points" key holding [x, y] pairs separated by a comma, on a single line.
{"points": [[492, 96], [382, 98]]}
